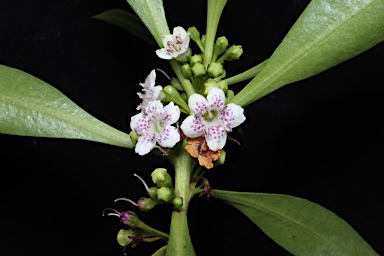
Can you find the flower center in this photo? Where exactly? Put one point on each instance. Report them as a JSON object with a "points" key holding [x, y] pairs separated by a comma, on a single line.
{"points": [[209, 115]]}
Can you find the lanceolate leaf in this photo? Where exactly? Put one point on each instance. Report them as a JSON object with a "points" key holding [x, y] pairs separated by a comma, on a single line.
{"points": [[151, 13], [327, 33], [31, 107], [298, 225], [126, 21]]}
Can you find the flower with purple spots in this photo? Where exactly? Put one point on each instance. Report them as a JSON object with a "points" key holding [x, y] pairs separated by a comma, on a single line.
{"points": [[212, 118], [151, 92], [174, 45], [154, 125]]}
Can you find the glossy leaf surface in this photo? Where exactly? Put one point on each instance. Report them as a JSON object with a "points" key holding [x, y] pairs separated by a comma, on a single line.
{"points": [[298, 225], [151, 13], [31, 107], [126, 21], [327, 33]]}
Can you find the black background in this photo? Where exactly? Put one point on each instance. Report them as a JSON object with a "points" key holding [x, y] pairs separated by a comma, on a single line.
{"points": [[319, 139]]}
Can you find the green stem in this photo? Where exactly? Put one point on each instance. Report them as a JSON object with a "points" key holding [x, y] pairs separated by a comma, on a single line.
{"points": [[250, 73], [180, 243], [214, 10], [186, 83]]}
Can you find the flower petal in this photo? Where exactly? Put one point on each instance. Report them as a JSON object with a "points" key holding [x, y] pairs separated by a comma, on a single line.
{"points": [[145, 144], [168, 137], [216, 137], [140, 123], [216, 98], [233, 115], [192, 127], [151, 78], [171, 113], [163, 53], [197, 103]]}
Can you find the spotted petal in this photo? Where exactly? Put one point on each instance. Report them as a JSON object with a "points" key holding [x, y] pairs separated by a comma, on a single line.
{"points": [[216, 137], [233, 115], [145, 143], [168, 137], [192, 127], [216, 98], [198, 104]]}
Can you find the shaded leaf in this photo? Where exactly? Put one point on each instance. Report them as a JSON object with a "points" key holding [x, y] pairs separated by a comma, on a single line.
{"points": [[127, 21], [298, 225], [31, 107], [327, 33]]}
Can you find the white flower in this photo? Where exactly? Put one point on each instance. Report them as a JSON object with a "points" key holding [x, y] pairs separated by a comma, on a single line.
{"points": [[212, 118], [151, 92], [154, 126], [174, 45]]}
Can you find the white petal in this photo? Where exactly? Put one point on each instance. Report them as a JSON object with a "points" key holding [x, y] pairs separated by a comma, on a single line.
{"points": [[156, 92], [163, 53], [151, 78], [216, 137], [155, 109], [233, 115], [144, 144], [197, 103], [179, 31], [216, 98], [171, 113], [166, 39], [169, 137], [192, 127], [140, 123]]}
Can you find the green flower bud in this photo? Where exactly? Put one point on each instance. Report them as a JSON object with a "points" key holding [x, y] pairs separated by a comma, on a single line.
{"points": [[198, 70], [208, 85], [215, 69], [232, 53], [161, 178], [152, 192], [172, 94], [134, 137], [194, 33], [166, 194], [177, 202], [124, 237], [197, 58], [230, 94], [203, 39], [186, 70], [176, 82], [146, 204], [183, 58], [220, 46], [223, 85]]}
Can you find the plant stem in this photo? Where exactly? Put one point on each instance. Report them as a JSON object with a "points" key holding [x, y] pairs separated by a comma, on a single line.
{"points": [[214, 10], [180, 243], [248, 74]]}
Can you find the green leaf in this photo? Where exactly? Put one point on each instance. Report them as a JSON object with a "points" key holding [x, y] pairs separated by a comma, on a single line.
{"points": [[327, 33], [151, 13], [31, 107], [298, 225], [126, 21], [161, 251]]}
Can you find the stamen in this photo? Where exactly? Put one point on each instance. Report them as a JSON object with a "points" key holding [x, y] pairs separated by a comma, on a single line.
{"points": [[126, 199], [165, 74], [114, 214], [145, 184], [111, 209]]}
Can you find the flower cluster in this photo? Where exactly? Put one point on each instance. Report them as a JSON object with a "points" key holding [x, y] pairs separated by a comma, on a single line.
{"points": [[210, 117]]}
